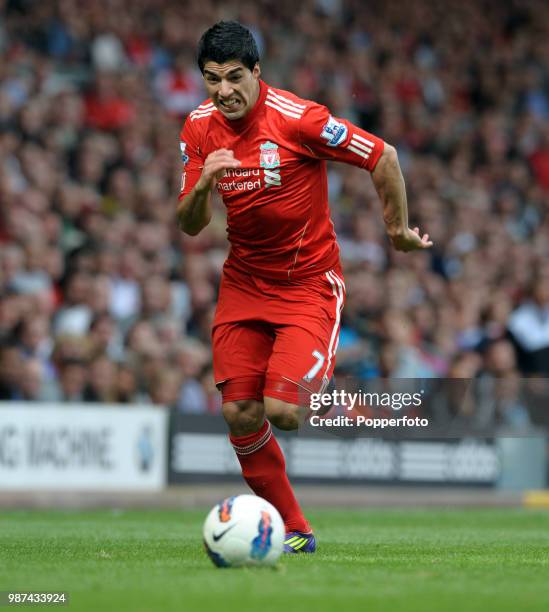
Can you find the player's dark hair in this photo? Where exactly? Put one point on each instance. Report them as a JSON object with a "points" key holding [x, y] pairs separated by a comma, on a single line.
{"points": [[227, 40]]}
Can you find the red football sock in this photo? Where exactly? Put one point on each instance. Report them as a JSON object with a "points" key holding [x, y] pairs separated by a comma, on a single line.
{"points": [[264, 469]]}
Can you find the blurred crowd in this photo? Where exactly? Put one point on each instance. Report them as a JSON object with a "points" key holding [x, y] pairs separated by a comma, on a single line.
{"points": [[103, 299]]}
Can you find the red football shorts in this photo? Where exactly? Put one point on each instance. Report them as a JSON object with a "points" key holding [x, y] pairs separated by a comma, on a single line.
{"points": [[276, 338]]}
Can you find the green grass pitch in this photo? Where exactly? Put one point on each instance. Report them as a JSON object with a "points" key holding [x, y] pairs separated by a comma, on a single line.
{"points": [[388, 560]]}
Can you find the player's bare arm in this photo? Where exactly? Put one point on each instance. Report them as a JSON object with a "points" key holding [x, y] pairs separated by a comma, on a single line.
{"points": [[194, 212], [389, 183]]}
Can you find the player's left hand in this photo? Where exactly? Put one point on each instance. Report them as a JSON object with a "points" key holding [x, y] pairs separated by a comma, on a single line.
{"points": [[411, 240]]}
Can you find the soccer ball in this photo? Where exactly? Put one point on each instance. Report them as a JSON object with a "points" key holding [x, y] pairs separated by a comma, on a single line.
{"points": [[243, 530]]}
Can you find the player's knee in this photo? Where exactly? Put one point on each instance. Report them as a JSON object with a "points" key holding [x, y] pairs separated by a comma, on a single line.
{"points": [[243, 416], [282, 414]]}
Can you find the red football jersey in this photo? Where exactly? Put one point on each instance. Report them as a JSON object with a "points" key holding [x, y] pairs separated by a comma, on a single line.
{"points": [[278, 219]]}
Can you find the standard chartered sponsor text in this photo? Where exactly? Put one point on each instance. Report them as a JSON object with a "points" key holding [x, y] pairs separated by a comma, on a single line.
{"points": [[240, 185]]}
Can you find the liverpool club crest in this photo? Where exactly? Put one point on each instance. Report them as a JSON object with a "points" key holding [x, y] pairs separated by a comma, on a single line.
{"points": [[268, 155]]}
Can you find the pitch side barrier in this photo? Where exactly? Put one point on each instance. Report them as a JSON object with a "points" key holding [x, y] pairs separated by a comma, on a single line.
{"points": [[82, 447], [476, 433], [449, 432]]}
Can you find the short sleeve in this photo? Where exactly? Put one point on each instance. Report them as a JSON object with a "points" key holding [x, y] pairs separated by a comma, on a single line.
{"points": [[191, 157], [327, 137]]}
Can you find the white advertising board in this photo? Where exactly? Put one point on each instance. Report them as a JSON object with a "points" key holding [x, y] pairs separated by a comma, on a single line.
{"points": [[79, 447]]}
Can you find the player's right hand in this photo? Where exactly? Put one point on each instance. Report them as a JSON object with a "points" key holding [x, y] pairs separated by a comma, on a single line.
{"points": [[215, 168]]}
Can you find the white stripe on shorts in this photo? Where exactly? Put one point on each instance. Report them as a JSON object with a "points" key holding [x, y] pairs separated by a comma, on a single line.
{"points": [[338, 288]]}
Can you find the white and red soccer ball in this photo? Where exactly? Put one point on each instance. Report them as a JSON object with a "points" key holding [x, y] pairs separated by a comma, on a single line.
{"points": [[243, 530]]}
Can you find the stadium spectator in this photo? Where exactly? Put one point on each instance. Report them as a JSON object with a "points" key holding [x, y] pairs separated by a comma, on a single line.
{"points": [[105, 338], [127, 388], [72, 379], [165, 385], [32, 381], [11, 364], [101, 385], [499, 391], [529, 327]]}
